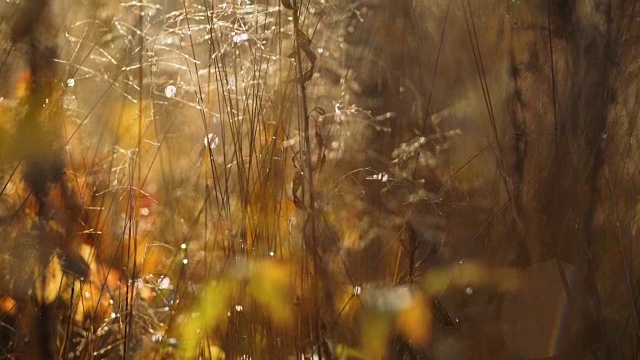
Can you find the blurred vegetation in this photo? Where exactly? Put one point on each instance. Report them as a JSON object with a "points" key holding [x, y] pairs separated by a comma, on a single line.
{"points": [[317, 179]]}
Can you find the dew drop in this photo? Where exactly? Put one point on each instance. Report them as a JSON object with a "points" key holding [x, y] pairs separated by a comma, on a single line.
{"points": [[468, 291], [211, 140], [238, 38], [170, 91], [165, 282]]}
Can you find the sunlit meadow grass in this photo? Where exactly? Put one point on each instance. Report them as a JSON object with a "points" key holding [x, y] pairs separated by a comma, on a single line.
{"points": [[217, 195]]}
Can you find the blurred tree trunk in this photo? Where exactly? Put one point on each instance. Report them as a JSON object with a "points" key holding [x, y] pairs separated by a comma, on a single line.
{"points": [[543, 87], [38, 145], [562, 61]]}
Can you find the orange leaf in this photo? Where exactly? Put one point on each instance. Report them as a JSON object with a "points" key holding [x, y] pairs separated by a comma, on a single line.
{"points": [[414, 321]]}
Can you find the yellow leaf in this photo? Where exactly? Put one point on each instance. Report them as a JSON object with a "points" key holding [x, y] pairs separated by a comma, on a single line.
{"points": [[414, 321], [210, 311], [269, 286], [471, 274], [345, 352], [376, 327], [216, 353], [47, 284]]}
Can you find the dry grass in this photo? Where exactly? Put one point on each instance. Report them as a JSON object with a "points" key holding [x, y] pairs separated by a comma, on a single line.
{"points": [[191, 141], [276, 179]]}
